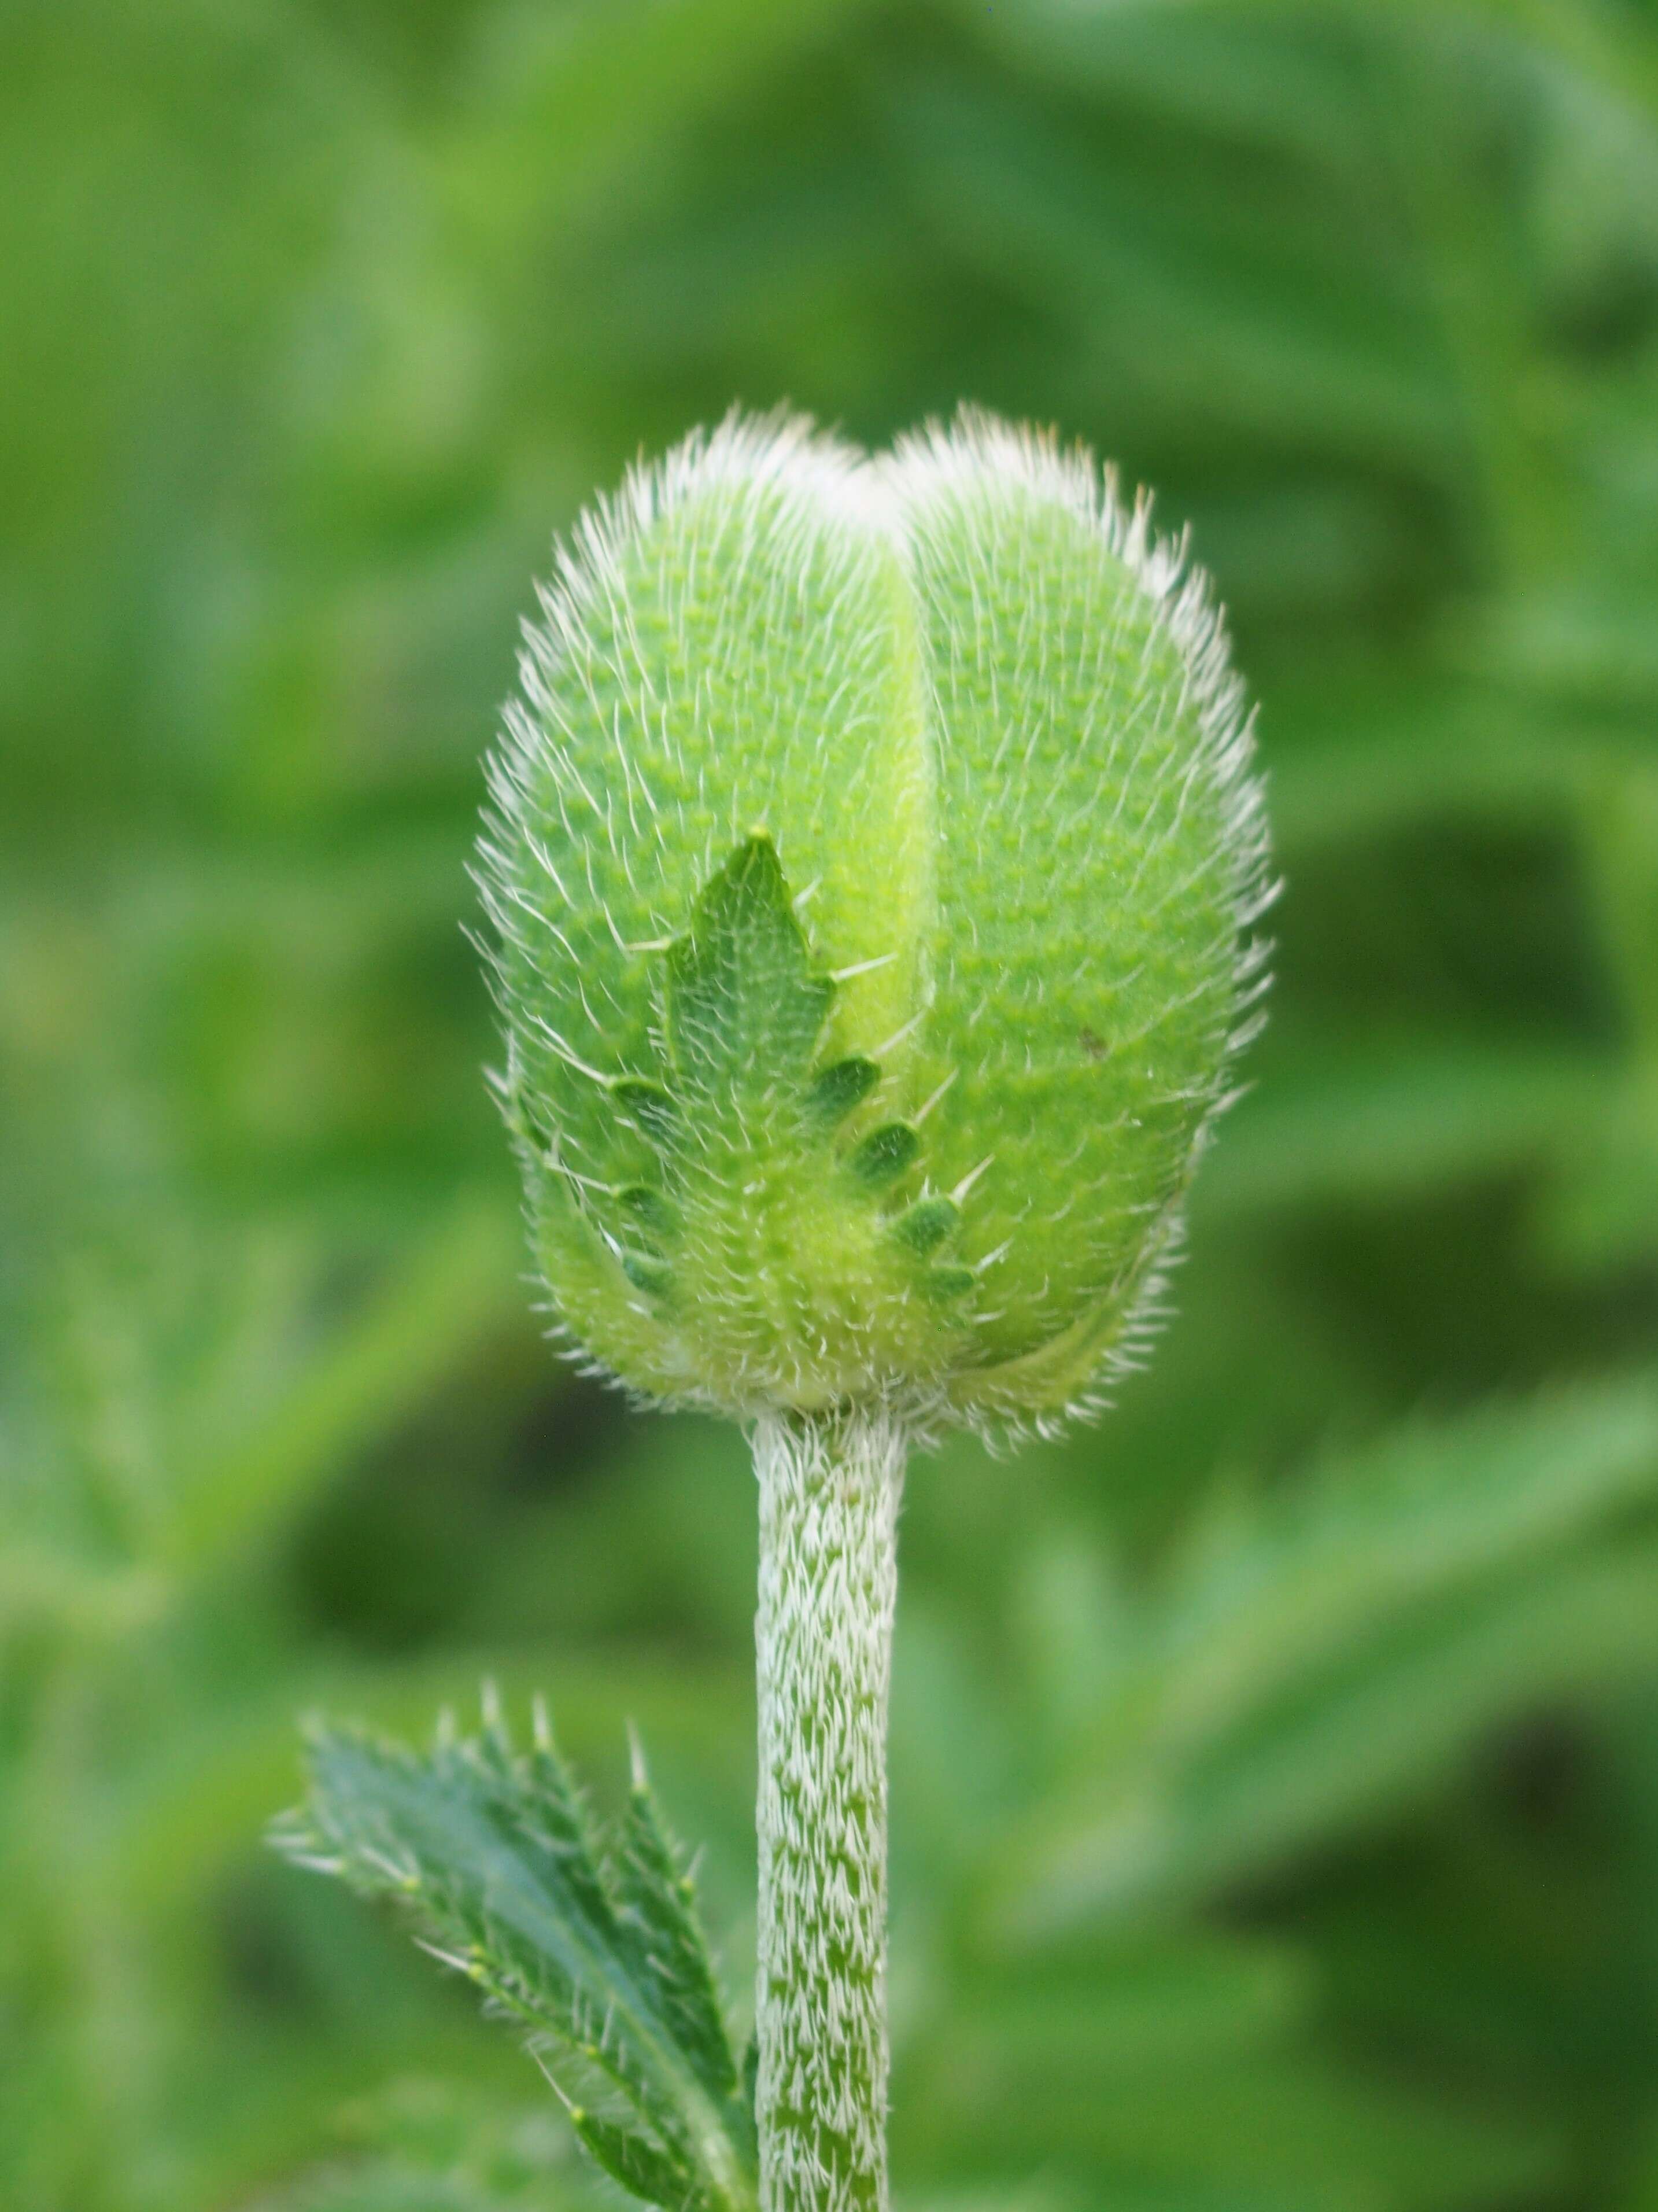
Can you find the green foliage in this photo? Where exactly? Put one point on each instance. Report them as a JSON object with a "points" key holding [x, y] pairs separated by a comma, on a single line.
{"points": [[428, 2147], [1316, 1656], [602, 1960], [1311, 1666], [317, 321]]}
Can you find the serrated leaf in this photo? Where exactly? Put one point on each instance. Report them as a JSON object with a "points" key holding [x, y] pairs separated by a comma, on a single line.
{"points": [[658, 1915], [600, 1957]]}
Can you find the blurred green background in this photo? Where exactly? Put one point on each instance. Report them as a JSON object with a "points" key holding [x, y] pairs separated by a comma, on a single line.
{"points": [[1276, 1767]]}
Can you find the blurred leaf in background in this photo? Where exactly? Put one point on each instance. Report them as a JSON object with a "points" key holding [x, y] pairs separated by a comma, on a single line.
{"points": [[1276, 1787]]}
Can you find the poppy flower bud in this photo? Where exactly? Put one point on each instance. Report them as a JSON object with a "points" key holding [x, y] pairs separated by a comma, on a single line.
{"points": [[872, 856]]}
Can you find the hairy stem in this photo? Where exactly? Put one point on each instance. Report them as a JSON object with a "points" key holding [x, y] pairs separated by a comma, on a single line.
{"points": [[830, 1487]]}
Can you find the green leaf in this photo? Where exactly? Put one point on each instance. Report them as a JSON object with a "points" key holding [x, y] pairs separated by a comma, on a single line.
{"points": [[600, 1956], [743, 1007]]}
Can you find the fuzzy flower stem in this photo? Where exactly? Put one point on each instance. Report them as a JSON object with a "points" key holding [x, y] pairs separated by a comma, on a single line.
{"points": [[830, 1488]]}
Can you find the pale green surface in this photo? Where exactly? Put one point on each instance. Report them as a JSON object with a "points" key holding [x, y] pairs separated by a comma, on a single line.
{"points": [[1092, 862]]}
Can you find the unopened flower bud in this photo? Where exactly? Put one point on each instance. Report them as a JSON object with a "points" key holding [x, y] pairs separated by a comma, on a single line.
{"points": [[872, 857]]}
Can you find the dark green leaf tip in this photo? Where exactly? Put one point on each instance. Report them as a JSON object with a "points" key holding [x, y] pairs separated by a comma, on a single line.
{"points": [[945, 1284], [754, 872], [840, 1087], [884, 1154], [926, 1224]]}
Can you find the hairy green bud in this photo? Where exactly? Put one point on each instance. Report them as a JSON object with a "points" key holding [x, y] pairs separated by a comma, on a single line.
{"points": [[872, 857]]}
